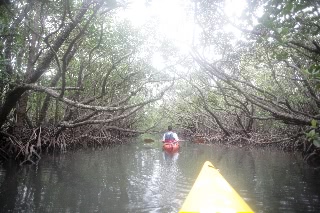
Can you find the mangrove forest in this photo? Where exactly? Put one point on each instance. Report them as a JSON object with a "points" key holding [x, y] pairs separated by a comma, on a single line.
{"points": [[95, 73]]}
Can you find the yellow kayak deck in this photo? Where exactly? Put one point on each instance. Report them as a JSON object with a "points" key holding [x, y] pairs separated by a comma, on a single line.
{"points": [[212, 193]]}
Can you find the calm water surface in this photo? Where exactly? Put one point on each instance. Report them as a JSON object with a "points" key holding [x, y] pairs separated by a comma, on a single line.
{"points": [[139, 177]]}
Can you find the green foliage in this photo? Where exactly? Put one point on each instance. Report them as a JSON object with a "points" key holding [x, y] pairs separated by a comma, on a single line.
{"points": [[313, 72], [113, 54], [313, 134], [314, 123]]}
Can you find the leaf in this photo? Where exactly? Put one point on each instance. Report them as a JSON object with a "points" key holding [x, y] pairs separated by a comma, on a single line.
{"points": [[268, 23], [314, 68], [279, 30], [288, 8], [316, 142], [305, 71], [282, 55], [314, 123], [285, 30], [312, 133]]}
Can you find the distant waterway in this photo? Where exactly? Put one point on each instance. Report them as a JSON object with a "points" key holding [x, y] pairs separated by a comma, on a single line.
{"points": [[140, 177]]}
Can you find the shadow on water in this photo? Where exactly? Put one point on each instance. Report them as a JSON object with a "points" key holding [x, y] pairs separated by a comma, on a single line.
{"points": [[9, 186], [140, 177]]}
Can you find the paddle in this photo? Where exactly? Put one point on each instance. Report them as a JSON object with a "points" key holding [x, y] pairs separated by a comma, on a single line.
{"points": [[175, 141]]}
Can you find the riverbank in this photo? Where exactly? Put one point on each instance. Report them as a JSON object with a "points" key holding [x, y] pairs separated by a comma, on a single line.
{"points": [[27, 145]]}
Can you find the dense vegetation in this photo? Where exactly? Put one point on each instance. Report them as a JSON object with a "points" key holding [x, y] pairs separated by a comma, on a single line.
{"points": [[73, 73], [262, 89]]}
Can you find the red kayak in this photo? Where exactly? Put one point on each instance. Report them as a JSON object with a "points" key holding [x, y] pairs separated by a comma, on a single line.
{"points": [[171, 147]]}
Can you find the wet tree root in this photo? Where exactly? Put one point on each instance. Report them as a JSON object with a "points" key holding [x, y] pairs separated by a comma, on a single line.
{"points": [[29, 155], [297, 142], [26, 145]]}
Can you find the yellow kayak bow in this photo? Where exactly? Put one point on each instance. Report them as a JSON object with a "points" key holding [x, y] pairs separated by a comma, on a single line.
{"points": [[212, 193]]}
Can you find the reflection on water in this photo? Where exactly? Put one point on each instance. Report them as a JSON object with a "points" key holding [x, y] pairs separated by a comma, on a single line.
{"points": [[140, 177], [170, 156]]}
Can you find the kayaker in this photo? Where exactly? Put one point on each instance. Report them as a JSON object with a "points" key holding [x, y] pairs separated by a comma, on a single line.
{"points": [[170, 136]]}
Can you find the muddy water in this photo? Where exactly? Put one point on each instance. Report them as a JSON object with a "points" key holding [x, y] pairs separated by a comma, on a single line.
{"points": [[139, 177]]}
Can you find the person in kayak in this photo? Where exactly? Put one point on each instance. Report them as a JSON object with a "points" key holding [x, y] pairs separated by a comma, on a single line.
{"points": [[170, 136]]}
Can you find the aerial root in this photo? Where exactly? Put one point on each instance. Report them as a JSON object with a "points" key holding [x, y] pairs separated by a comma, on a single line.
{"points": [[26, 144], [30, 155]]}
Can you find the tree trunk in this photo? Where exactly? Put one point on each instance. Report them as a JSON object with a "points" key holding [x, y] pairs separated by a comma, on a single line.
{"points": [[225, 131], [13, 96], [46, 102], [33, 39], [21, 111]]}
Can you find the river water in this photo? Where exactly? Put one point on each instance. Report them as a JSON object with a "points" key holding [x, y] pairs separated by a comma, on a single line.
{"points": [[139, 177]]}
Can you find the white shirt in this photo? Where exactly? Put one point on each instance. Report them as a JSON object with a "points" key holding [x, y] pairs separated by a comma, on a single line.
{"points": [[175, 136]]}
